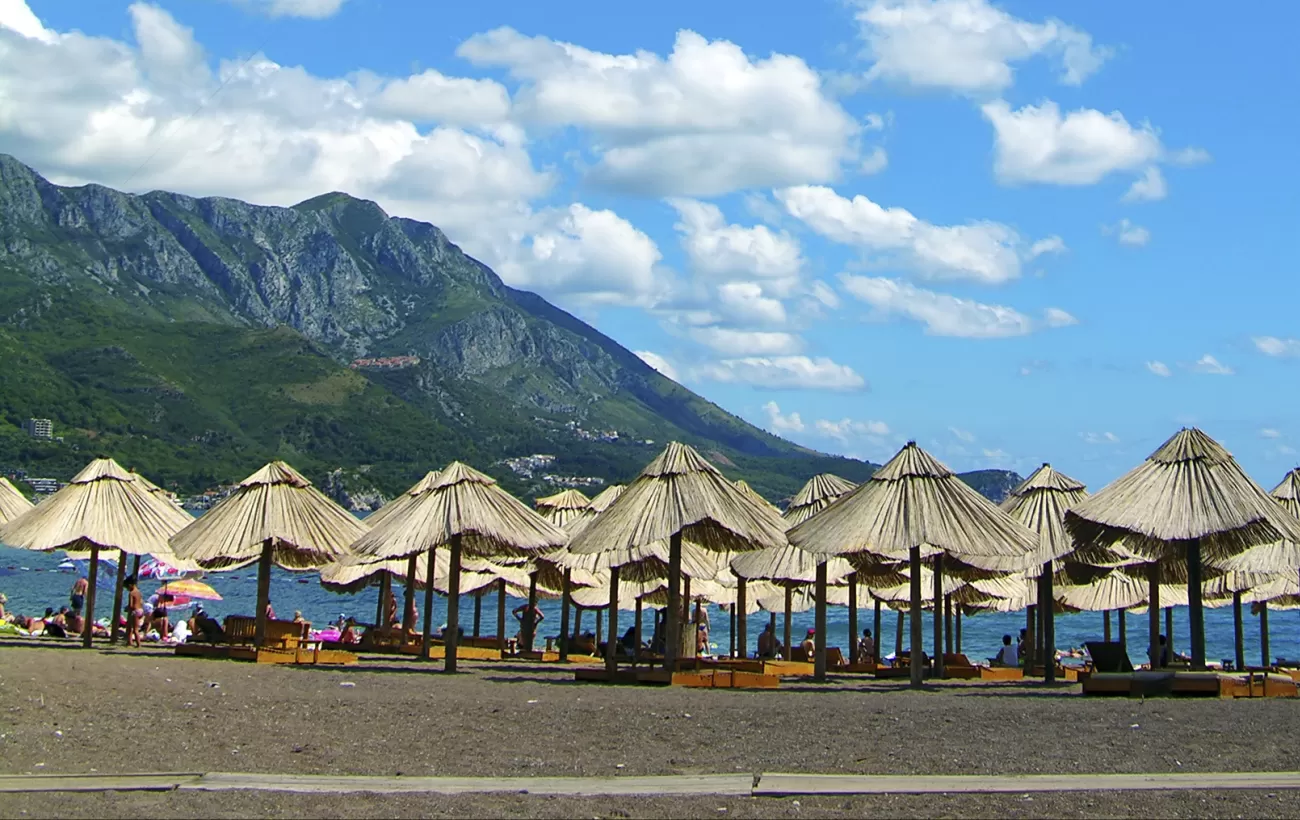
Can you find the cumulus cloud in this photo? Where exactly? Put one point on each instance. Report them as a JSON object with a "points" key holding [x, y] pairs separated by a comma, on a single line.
{"points": [[1269, 432], [780, 423], [1159, 368], [962, 435], [311, 9], [945, 315], [720, 250], [703, 121], [1211, 366], [1147, 188], [784, 373], [987, 252], [658, 362], [968, 46], [1276, 347], [1050, 244], [1126, 233], [1099, 438], [846, 429], [731, 342]]}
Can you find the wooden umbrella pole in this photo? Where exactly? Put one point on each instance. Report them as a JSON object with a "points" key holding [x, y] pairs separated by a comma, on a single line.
{"points": [[566, 597], [501, 615], [1237, 631], [426, 644], [600, 623], [385, 588], [789, 605], [877, 637], [611, 646], [1169, 629], [408, 614], [1040, 626], [478, 610], [939, 616], [135, 569], [1105, 620], [636, 650], [116, 619], [530, 618], [914, 559], [898, 636], [853, 618], [1195, 610], [742, 619], [819, 624], [1153, 615], [1264, 632], [1123, 628], [672, 618], [88, 632], [451, 637], [577, 621], [1049, 624], [731, 631], [687, 634], [1031, 614], [957, 619], [263, 591]]}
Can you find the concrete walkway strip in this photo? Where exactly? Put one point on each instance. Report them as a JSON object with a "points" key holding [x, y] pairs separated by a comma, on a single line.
{"points": [[741, 785], [783, 785], [95, 782]]}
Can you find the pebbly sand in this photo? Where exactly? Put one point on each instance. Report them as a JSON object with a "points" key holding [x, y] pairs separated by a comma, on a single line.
{"points": [[69, 710]]}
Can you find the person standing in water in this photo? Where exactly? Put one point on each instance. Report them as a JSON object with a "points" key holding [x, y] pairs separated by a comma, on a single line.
{"points": [[135, 612]]}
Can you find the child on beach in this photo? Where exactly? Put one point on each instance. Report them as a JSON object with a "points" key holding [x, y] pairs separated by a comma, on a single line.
{"points": [[135, 612]]}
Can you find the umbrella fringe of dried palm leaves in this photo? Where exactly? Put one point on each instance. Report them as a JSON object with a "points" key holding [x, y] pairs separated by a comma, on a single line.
{"points": [[462, 502], [12, 502], [1189, 489], [818, 493], [1040, 503], [914, 501], [1279, 556]]}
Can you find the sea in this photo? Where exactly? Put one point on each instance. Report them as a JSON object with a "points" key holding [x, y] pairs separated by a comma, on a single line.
{"points": [[33, 581]]}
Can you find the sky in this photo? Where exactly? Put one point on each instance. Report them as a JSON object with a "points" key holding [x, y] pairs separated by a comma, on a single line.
{"points": [[1014, 232]]}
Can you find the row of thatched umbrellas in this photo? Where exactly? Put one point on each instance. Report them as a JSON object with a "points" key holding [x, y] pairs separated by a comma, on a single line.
{"points": [[1188, 507]]}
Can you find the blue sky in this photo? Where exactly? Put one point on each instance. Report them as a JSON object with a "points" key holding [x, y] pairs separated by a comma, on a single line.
{"points": [[1014, 232]]}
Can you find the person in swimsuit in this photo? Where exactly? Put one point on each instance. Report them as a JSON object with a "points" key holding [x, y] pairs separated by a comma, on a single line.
{"points": [[135, 612], [78, 597]]}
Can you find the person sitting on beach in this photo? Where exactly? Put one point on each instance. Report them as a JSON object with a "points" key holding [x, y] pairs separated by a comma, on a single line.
{"points": [[270, 611], [180, 634], [78, 596], [4, 616], [768, 645], [297, 617], [73, 622], [54, 624], [158, 619], [203, 624], [628, 643], [348, 635], [809, 645], [585, 644], [390, 611], [866, 647], [1007, 655]]}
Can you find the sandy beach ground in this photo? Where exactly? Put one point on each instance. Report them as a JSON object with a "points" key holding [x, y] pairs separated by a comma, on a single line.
{"points": [[74, 711]]}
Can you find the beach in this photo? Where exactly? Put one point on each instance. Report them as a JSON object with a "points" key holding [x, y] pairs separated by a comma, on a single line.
{"points": [[74, 711]]}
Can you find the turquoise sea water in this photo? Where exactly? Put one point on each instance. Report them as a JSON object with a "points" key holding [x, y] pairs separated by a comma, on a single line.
{"points": [[32, 582]]}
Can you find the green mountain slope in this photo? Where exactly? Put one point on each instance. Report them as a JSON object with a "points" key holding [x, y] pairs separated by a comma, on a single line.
{"points": [[196, 338]]}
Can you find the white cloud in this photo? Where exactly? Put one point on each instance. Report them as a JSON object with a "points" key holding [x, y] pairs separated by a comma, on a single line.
{"points": [[434, 97], [1126, 233], [967, 45], [996, 457], [658, 362], [1190, 156], [845, 429], [1147, 188], [16, 16], [1038, 144], [704, 121], [732, 343], [982, 251], [1280, 348], [1159, 368], [824, 294], [1099, 438], [720, 250], [1051, 244], [311, 9], [744, 303], [962, 435], [1269, 432], [596, 257], [1211, 366], [873, 122], [779, 423], [784, 372], [875, 162], [943, 314]]}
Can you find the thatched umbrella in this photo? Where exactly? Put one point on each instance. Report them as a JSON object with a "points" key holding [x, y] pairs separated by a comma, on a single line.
{"points": [[275, 516], [569, 510], [104, 507], [1040, 503], [606, 497], [469, 512], [12, 502], [679, 496], [914, 508], [1191, 501], [818, 493]]}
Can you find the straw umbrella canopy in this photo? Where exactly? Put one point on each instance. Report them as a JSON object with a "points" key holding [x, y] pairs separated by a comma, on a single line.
{"points": [[104, 507], [1282, 556], [467, 511], [1040, 503], [606, 497], [914, 508], [275, 516], [1189, 500], [680, 497], [12, 502], [816, 495]]}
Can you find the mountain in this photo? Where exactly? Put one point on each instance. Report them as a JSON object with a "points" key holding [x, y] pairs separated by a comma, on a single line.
{"points": [[196, 338]]}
